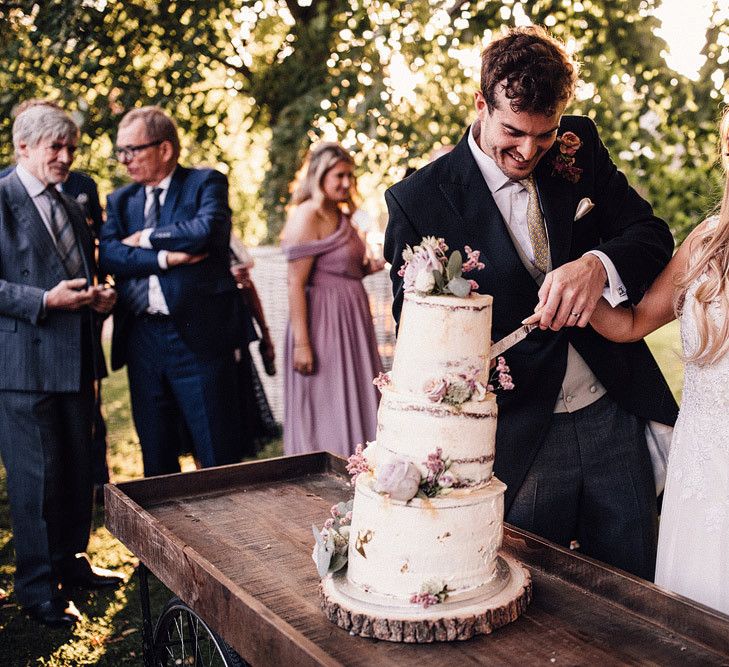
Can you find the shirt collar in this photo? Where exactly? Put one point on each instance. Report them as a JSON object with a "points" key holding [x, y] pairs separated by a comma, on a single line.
{"points": [[163, 185], [494, 177], [32, 185]]}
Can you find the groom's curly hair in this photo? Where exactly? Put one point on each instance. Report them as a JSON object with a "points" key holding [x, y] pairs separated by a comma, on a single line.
{"points": [[535, 70]]}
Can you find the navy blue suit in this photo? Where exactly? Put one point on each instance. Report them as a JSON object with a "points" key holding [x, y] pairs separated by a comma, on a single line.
{"points": [[183, 363]]}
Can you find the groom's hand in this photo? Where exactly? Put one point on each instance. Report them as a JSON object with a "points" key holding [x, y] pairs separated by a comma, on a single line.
{"points": [[570, 293]]}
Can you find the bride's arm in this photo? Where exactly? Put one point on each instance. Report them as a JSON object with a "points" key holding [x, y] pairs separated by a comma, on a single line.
{"points": [[655, 309]]}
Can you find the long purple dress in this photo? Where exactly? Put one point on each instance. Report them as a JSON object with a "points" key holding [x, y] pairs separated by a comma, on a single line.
{"points": [[335, 408]]}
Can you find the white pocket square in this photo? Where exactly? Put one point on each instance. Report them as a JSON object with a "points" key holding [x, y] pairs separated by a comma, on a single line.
{"points": [[583, 208]]}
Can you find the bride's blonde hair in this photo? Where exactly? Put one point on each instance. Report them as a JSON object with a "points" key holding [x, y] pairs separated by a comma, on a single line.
{"points": [[320, 160], [710, 257]]}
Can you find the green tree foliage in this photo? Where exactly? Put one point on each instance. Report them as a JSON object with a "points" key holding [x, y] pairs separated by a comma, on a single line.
{"points": [[391, 79]]}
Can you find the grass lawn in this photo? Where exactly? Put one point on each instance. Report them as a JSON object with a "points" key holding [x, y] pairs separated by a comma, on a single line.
{"points": [[110, 633]]}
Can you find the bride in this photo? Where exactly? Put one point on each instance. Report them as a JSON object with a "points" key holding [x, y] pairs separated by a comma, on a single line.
{"points": [[693, 543]]}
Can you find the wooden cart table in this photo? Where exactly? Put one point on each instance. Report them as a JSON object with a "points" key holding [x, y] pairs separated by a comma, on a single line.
{"points": [[234, 543]]}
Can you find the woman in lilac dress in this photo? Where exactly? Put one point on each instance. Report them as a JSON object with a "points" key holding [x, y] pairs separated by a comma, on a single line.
{"points": [[331, 354]]}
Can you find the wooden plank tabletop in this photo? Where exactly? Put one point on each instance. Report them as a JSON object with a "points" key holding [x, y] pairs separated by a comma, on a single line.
{"points": [[235, 544]]}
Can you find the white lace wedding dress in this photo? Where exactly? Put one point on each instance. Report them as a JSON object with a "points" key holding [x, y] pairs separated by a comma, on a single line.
{"points": [[693, 544]]}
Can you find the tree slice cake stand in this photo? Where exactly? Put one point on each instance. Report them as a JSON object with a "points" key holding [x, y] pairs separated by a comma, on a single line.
{"points": [[368, 615]]}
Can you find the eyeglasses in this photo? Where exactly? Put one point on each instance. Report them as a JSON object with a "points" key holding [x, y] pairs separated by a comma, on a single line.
{"points": [[125, 153]]}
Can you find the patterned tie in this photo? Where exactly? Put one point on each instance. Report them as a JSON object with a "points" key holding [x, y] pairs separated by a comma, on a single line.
{"points": [[64, 235], [535, 225], [137, 295]]}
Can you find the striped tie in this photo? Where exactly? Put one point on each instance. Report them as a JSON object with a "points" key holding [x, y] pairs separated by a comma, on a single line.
{"points": [[64, 236], [535, 225], [137, 295]]}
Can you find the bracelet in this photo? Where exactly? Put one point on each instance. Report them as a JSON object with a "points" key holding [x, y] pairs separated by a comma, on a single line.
{"points": [[302, 345]]}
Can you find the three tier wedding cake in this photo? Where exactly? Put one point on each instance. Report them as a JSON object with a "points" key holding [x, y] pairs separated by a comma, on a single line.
{"points": [[421, 539]]}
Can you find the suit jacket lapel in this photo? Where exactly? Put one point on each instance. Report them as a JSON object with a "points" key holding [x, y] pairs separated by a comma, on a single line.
{"points": [[136, 210], [482, 224], [28, 217], [178, 178], [556, 195]]}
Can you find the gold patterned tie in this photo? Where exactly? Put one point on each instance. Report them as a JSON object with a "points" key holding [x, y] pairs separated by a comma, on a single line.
{"points": [[535, 224]]}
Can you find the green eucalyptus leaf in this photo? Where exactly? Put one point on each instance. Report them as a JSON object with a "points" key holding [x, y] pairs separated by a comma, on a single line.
{"points": [[439, 281], [323, 551], [338, 562], [459, 286], [455, 264]]}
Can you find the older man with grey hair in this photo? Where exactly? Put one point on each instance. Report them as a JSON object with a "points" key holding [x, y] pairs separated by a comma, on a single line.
{"points": [[49, 359]]}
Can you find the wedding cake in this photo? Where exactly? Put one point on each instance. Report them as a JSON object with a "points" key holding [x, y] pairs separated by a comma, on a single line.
{"points": [[421, 539]]}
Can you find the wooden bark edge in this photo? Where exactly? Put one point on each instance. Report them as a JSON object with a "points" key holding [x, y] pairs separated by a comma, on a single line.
{"points": [[427, 630]]}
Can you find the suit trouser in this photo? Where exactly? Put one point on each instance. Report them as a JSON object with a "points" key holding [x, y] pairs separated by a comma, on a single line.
{"points": [[166, 380], [592, 481], [99, 465], [45, 442]]}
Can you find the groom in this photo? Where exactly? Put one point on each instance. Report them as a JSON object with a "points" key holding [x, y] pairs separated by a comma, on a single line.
{"points": [[557, 225]]}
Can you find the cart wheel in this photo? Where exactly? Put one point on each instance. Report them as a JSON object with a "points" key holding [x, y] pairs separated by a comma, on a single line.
{"points": [[182, 638]]}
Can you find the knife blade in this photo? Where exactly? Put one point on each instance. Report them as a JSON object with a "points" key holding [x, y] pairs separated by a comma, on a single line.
{"points": [[510, 340]]}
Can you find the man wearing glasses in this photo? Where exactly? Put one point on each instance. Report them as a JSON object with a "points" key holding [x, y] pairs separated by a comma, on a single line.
{"points": [[166, 244], [50, 356]]}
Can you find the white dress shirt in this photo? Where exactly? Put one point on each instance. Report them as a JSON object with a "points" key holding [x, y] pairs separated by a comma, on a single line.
{"points": [[37, 192], [157, 303], [512, 200]]}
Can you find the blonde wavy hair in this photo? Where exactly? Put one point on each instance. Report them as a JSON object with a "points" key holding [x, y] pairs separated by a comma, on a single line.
{"points": [[710, 257], [319, 161]]}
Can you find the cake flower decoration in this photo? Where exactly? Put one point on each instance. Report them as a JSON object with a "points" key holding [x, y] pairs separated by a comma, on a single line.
{"points": [[357, 464], [428, 270], [332, 541], [398, 478], [436, 481], [382, 380], [501, 377], [456, 389], [433, 591]]}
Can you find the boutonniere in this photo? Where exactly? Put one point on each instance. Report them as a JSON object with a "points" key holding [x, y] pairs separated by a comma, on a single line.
{"points": [[564, 162]]}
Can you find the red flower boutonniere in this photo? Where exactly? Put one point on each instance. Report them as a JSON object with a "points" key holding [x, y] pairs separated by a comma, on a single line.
{"points": [[564, 163]]}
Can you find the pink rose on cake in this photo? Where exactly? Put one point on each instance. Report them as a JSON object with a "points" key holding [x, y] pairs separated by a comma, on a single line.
{"points": [[420, 262], [398, 478], [436, 389]]}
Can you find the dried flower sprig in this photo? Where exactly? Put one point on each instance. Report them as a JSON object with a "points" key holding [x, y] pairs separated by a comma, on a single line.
{"points": [[437, 480], [357, 464], [501, 377], [382, 380], [433, 591]]}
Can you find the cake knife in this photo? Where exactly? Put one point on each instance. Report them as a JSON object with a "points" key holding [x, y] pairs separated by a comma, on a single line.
{"points": [[510, 340]]}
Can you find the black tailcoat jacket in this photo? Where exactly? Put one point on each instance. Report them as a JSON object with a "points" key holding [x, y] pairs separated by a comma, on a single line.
{"points": [[449, 198]]}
